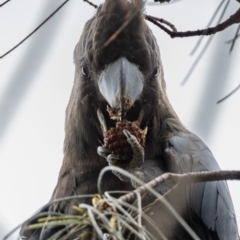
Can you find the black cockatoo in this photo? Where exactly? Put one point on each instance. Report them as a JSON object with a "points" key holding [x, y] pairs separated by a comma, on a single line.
{"points": [[124, 72]]}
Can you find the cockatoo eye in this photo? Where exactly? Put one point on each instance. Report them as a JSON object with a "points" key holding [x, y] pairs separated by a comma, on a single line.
{"points": [[84, 70], [156, 71]]}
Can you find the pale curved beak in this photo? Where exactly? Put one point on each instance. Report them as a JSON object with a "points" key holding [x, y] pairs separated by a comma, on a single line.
{"points": [[121, 83]]}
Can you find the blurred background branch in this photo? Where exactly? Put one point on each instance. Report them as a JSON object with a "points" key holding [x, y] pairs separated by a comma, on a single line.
{"points": [[2, 4]]}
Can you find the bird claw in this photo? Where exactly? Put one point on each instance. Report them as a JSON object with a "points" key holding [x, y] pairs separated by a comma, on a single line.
{"points": [[103, 152], [138, 152], [113, 159], [134, 165], [102, 121]]}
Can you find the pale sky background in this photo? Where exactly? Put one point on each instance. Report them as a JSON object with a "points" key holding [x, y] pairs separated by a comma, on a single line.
{"points": [[36, 80]]}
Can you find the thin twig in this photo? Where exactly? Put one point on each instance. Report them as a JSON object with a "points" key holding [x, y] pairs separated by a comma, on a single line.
{"points": [[60, 232], [230, 94], [101, 215], [144, 216], [162, 21], [4, 3], [118, 205], [24, 223], [90, 3], [38, 27], [233, 19], [12, 232], [72, 231]]}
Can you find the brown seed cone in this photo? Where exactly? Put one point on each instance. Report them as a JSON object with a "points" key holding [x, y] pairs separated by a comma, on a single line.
{"points": [[116, 141]]}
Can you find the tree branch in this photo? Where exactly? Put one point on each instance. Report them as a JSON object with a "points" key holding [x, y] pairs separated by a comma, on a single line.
{"points": [[183, 179], [233, 19]]}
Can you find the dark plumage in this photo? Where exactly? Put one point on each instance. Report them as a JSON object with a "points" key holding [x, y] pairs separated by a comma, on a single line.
{"points": [[130, 68]]}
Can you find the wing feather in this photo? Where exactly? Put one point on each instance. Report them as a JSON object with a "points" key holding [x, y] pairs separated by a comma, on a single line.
{"points": [[210, 201]]}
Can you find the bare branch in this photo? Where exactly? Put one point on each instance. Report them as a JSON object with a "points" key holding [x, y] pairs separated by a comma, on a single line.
{"points": [[185, 179], [233, 19]]}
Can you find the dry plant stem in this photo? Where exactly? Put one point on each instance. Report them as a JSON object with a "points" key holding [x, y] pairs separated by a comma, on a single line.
{"points": [[60, 233], [152, 191], [90, 211], [118, 206], [124, 218], [12, 231], [137, 211], [185, 178], [235, 18], [69, 234]]}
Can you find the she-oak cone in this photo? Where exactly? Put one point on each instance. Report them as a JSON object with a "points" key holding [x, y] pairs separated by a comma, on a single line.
{"points": [[116, 141]]}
